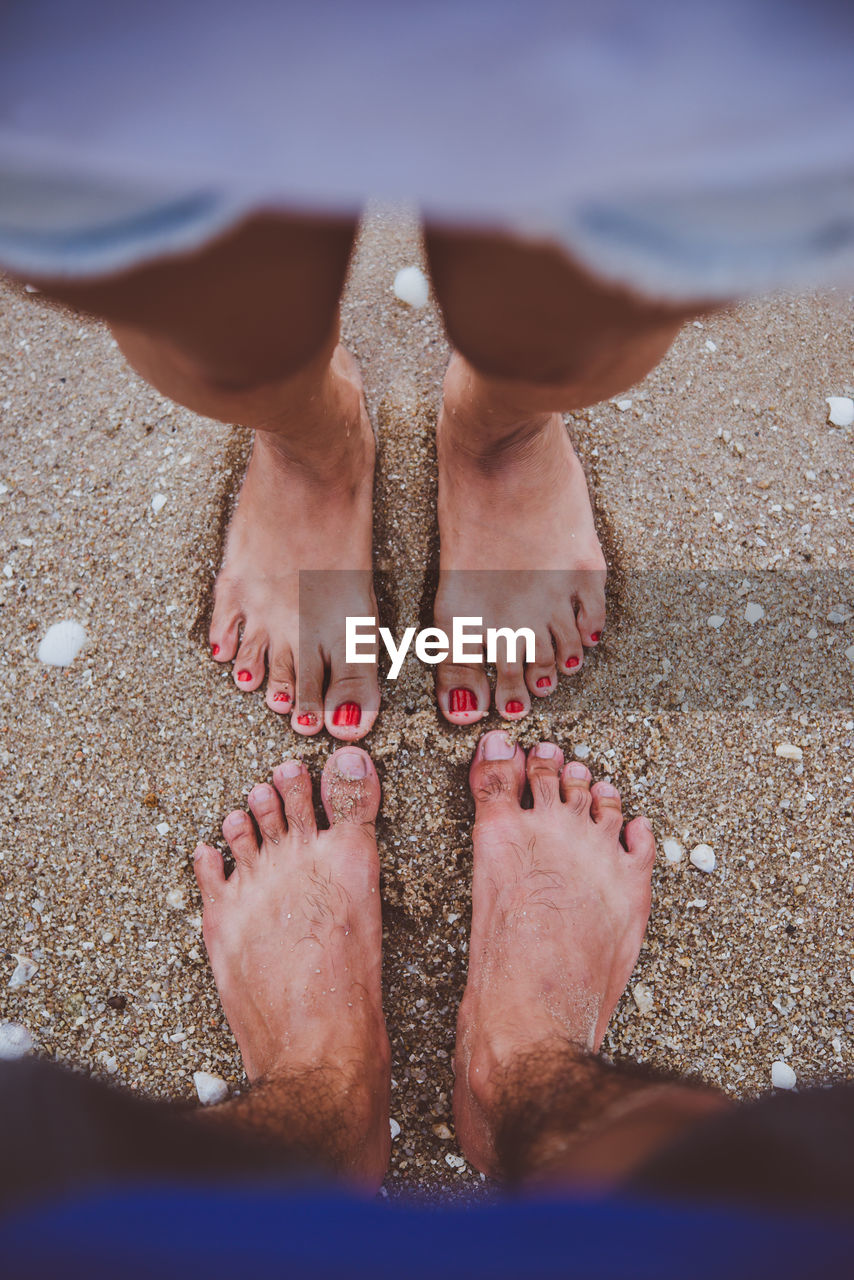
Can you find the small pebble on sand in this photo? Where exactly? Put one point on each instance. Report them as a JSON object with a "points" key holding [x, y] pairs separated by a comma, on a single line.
{"points": [[210, 1089], [61, 643], [581, 751], [673, 850], [25, 967], [455, 1162], [410, 285], [753, 613], [623, 405], [394, 1129], [849, 653], [703, 858], [788, 751], [716, 621], [175, 898], [782, 1075], [158, 502], [840, 410], [15, 1041], [162, 828], [643, 998]]}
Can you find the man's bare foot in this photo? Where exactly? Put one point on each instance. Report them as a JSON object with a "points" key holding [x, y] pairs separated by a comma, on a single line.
{"points": [[294, 938], [306, 504], [518, 548], [559, 908]]}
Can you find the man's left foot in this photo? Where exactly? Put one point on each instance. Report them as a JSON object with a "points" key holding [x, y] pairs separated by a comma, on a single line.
{"points": [[294, 937], [518, 547]]}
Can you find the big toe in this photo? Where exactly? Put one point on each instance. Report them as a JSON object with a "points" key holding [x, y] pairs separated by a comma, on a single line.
{"points": [[350, 788], [352, 700], [462, 693], [497, 774]]}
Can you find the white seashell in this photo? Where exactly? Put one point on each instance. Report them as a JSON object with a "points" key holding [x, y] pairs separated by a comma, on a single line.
{"points": [[623, 405], [581, 751], [703, 858], [782, 1076], [754, 613], [61, 644], [455, 1162], [673, 850], [788, 751], [25, 967], [711, 346], [158, 502], [15, 1041], [162, 828], [410, 285], [643, 998], [840, 410], [849, 653], [175, 898], [210, 1089], [716, 621], [394, 1129]]}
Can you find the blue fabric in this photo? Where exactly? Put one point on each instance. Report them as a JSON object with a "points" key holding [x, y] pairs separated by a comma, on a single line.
{"points": [[263, 1231]]}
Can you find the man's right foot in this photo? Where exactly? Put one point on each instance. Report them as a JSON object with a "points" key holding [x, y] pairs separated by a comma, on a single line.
{"points": [[294, 937], [559, 909], [306, 504]]}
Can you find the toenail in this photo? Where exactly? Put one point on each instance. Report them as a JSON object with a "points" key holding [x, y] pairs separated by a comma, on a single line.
{"points": [[289, 768], [606, 791], [544, 682], [514, 706], [349, 713], [595, 637], [576, 770], [214, 649], [282, 696], [545, 750], [462, 700], [244, 675], [263, 792], [497, 746], [351, 764], [308, 718], [572, 662]]}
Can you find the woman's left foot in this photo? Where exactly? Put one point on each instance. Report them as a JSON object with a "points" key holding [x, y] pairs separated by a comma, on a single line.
{"points": [[518, 548]]}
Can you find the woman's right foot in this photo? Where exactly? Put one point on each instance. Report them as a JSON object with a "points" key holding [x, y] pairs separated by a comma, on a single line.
{"points": [[559, 909], [305, 505]]}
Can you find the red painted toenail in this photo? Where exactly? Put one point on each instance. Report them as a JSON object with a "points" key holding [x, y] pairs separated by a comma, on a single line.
{"points": [[282, 696], [594, 636], [349, 713], [513, 707], [214, 649], [544, 682], [572, 662], [244, 675], [462, 700], [308, 718]]}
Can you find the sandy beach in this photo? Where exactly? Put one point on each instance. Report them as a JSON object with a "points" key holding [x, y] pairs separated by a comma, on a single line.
{"points": [[718, 484]]}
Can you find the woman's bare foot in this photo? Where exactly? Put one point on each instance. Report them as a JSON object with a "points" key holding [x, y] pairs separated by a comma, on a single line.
{"points": [[294, 938], [305, 505], [518, 547], [559, 908]]}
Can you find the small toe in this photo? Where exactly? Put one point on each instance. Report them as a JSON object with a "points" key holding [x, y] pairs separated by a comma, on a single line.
{"points": [[569, 650], [543, 766], [640, 842], [266, 809], [462, 693], [497, 774], [575, 788], [512, 700], [293, 784], [607, 806], [210, 873], [590, 607], [242, 841], [350, 788], [352, 700], [281, 682], [249, 662]]}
